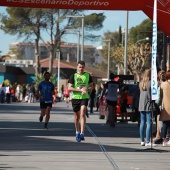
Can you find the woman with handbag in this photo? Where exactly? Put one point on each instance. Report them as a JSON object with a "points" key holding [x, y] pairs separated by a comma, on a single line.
{"points": [[145, 108]]}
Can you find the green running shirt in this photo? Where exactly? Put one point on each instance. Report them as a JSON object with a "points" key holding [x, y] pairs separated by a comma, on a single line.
{"points": [[79, 81]]}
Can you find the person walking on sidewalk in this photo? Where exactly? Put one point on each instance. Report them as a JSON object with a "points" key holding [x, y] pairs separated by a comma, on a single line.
{"points": [[45, 92], [80, 83], [112, 88]]}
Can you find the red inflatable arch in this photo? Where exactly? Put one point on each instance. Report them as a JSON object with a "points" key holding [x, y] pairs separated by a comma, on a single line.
{"points": [[163, 7]]}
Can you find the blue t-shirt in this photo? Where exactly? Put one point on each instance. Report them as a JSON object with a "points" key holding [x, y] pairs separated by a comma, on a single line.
{"points": [[46, 90]]}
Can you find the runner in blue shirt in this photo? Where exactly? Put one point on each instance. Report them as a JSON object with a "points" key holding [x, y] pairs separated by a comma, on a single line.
{"points": [[45, 92]]}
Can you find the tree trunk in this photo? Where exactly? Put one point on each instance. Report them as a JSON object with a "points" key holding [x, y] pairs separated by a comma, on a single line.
{"points": [[51, 58], [50, 63], [37, 59]]}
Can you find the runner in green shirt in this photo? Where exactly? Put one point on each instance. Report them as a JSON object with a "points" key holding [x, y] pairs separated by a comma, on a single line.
{"points": [[80, 83]]}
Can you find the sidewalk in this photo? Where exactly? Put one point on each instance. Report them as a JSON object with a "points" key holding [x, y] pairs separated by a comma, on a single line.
{"points": [[24, 144]]}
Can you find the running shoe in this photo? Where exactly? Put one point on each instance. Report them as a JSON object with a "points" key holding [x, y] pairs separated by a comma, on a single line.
{"points": [[78, 137], [82, 137]]}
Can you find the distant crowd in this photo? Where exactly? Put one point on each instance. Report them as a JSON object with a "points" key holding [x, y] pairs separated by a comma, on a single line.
{"points": [[17, 93]]}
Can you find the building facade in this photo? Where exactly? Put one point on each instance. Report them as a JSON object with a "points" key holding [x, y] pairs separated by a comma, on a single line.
{"points": [[26, 51]]}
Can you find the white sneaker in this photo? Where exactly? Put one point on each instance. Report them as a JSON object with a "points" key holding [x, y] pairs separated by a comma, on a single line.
{"points": [[168, 143], [149, 144], [164, 144], [142, 143]]}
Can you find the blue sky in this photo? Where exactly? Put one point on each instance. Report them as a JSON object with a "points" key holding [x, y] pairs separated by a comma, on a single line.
{"points": [[113, 20]]}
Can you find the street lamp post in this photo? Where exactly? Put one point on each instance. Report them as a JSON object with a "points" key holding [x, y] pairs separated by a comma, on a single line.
{"points": [[58, 80], [126, 42], [144, 39], [78, 44], [108, 58], [123, 34], [82, 44]]}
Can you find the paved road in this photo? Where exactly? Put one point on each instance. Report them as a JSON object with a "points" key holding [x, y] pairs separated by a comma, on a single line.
{"points": [[24, 144]]}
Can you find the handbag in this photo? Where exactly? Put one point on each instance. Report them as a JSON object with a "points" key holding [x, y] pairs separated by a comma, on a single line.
{"points": [[155, 108]]}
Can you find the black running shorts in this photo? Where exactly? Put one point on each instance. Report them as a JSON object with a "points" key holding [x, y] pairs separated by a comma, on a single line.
{"points": [[77, 103], [44, 105]]}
